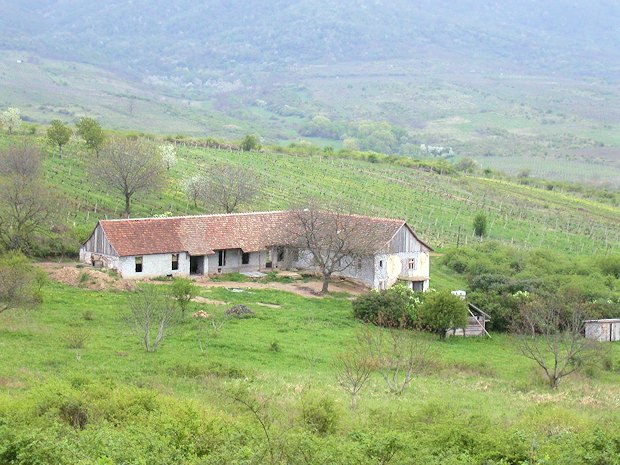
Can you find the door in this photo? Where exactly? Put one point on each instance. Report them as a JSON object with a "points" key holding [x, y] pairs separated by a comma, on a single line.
{"points": [[197, 264]]}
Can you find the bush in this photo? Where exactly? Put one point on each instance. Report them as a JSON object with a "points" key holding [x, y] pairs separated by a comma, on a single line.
{"points": [[319, 414], [183, 290], [393, 308], [442, 311], [480, 225]]}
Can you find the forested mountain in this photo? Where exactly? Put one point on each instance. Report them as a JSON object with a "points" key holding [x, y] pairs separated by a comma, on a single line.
{"points": [[576, 37]]}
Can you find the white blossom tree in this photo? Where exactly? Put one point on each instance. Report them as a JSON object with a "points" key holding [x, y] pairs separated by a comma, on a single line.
{"points": [[11, 119], [168, 154]]}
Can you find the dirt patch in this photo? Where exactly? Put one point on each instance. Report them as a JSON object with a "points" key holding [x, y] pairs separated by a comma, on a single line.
{"points": [[87, 278], [204, 300], [304, 289], [263, 304]]}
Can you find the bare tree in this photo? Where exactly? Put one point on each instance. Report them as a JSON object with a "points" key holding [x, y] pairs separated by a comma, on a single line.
{"points": [[397, 354], [353, 370], [151, 314], [129, 167], [226, 187], [25, 201], [334, 240], [550, 333]]}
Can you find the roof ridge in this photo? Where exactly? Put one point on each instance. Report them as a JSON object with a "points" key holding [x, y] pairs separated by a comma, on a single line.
{"points": [[209, 215]]}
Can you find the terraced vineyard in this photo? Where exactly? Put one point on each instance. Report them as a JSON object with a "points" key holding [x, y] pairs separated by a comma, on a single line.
{"points": [[441, 208]]}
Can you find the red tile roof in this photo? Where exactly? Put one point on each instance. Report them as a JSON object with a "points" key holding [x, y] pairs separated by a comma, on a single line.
{"points": [[202, 234]]}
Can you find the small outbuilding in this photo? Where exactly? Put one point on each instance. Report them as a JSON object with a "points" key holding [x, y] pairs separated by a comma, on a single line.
{"points": [[603, 330]]}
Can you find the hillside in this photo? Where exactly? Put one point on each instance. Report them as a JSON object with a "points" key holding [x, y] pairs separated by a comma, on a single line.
{"points": [[440, 207], [463, 75]]}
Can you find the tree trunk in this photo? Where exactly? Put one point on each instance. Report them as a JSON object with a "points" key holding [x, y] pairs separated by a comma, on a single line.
{"points": [[127, 204], [324, 288]]}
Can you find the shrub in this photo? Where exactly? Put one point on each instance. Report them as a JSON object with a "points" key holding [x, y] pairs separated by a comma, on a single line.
{"points": [[183, 290], [319, 414], [75, 338], [442, 311], [480, 225], [395, 307]]}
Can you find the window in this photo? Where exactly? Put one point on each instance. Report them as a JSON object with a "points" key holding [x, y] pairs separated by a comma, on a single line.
{"points": [[280, 255], [221, 260], [412, 263], [245, 258], [381, 264], [138, 264], [175, 261]]}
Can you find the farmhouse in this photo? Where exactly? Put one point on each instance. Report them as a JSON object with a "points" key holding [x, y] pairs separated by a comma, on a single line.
{"points": [[244, 242]]}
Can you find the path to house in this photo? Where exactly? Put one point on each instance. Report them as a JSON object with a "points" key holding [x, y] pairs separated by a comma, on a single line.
{"points": [[77, 275]]}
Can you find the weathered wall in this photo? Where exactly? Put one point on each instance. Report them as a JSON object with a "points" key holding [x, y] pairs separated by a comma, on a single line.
{"points": [[108, 261], [153, 265], [363, 272], [97, 242]]}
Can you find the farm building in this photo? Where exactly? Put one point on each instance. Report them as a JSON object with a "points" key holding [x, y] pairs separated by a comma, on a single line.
{"points": [[245, 242], [603, 330]]}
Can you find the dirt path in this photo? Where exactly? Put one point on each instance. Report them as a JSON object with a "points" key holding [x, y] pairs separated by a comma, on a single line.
{"points": [[77, 275]]}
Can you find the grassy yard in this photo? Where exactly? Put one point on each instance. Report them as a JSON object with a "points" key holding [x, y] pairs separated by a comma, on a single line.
{"points": [[479, 395]]}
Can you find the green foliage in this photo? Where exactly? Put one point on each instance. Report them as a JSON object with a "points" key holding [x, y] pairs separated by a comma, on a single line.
{"points": [[20, 282], [442, 311], [609, 265], [183, 290], [59, 134], [319, 414], [250, 142], [91, 131], [392, 308], [480, 225]]}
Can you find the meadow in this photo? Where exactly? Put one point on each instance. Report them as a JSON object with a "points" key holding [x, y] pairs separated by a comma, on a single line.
{"points": [[107, 401]]}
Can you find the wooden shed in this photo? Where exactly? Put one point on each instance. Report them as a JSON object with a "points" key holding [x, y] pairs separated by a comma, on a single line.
{"points": [[603, 330]]}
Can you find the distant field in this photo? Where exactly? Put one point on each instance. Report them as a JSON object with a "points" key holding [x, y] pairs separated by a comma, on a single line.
{"points": [[557, 127]]}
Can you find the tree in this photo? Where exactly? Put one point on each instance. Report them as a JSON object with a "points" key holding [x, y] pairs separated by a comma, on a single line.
{"points": [[250, 142], [19, 282], [227, 187], [129, 167], [353, 370], [91, 131], [397, 354], [550, 334], [168, 155], [442, 311], [183, 290], [335, 241], [194, 187], [11, 119], [151, 315], [59, 134], [480, 225], [25, 201]]}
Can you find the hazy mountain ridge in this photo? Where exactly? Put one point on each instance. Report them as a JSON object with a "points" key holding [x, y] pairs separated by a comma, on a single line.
{"points": [[171, 35]]}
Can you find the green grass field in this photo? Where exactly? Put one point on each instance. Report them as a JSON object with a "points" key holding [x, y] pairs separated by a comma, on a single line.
{"points": [[477, 401]]}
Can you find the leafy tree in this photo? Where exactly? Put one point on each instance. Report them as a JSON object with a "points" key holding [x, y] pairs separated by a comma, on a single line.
{"points": [[91, 131], [250, 142], [25, 200], [19, 282], [129, 167], [442, 311], [194, 187], [151, 315], [59, 134], [183, 290], [11, 119], [480, 225], [168, 154]]}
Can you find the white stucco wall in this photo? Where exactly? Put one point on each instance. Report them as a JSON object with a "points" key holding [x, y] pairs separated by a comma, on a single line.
{"points": [[153, 265], [109, 261]]}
